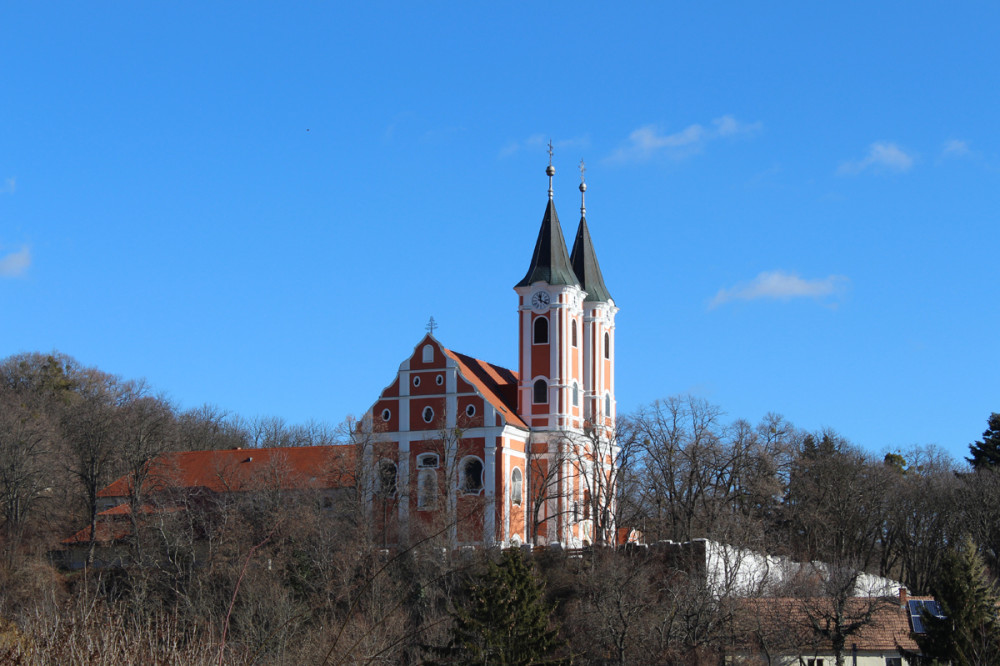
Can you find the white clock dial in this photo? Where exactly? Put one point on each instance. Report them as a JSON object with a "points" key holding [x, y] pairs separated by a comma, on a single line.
{"points": [[540, 300]]}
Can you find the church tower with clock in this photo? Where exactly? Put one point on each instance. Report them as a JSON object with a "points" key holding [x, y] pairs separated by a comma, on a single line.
{"points": [[566, 331], [490, 456]]}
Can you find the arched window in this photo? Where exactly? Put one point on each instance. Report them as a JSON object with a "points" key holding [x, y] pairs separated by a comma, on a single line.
{"points": [[427, 489], [470, 479], [607, 346], [540, 392], [576, 395], [541, 335], [386, 478], [428, 353], [607, 406], [572, 332], [516, 486]]}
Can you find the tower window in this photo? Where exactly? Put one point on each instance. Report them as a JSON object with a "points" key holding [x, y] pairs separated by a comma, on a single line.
{"points": [[516, 486], [439, 380], [416, 380], [607, 346], [470, 411], [541, 331], [607, 405], [471, 479], [572, 332], [540, 392], [386, 415], [576, 395], [428, 414], [428, 354]]}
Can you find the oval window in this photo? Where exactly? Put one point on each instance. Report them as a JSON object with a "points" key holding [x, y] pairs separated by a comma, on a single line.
{"points": [[416, 381], [439, 380], [386, 415], [428, 414], [470, 411]]}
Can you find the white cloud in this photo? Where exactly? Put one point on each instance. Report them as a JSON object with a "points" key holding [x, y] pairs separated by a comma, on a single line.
{"points": [[955, 148], [647, 142], [539, 143], [781, 286], [15, 263], [882, 156]]}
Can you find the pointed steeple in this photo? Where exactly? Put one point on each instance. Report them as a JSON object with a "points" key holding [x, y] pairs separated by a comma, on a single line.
{"points": [[549, 263], [583, 257]]}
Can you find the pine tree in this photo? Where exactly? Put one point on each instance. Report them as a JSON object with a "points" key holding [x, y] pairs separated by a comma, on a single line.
{"points": [[986, 453], [969, 633], [504, 620]]}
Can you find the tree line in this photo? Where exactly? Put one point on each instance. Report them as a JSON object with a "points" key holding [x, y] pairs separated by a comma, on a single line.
{"points": [[274, 577]]}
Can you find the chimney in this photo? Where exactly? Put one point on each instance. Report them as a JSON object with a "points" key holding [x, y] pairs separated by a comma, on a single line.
{"points": [[903, 597]]}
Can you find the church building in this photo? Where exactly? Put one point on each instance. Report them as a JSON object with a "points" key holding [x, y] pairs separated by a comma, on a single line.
{"points": [[491, 456], [455, 448]]}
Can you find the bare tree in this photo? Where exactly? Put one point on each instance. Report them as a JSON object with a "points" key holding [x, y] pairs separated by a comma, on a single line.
{"points": [[146, 429], [545, 466], [92, 428], [26, 439], [839, 612]]}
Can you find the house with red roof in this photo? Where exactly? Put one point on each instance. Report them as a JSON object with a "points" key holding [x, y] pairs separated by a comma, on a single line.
{"points": [[796, 631], [184, 480]]}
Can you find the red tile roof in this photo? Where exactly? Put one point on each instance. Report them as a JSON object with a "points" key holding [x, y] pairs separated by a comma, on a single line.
{"points": [[787, 620], [498, 385], [229, 470], [107, 531]]}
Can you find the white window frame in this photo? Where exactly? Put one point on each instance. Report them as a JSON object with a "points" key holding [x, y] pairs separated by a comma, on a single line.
{"points": [[462, 484]]}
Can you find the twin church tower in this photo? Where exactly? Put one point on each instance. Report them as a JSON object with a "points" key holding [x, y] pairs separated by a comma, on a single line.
{"points": [[493, 457]]}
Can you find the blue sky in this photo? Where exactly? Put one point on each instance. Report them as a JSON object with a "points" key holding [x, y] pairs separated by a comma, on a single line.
{"points": [[259, 205]]}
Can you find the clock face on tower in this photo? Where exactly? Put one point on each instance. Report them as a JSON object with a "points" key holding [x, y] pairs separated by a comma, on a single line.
{"points": [[540, 300]]}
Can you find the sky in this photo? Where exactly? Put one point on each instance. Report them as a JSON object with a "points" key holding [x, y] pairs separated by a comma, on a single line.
{"points": [[259, 205]]}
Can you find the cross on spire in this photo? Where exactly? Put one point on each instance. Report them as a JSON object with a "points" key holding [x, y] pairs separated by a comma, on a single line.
{"points": [[583, 189], [550, 170], [431, 325]]}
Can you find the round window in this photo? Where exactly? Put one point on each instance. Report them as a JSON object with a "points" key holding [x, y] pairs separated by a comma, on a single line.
{"points": [[416, 381], [470, 410], [386, 414], [428, 414], [439, 380]]}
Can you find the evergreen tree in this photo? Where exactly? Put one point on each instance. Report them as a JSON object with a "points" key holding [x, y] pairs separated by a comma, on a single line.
{"points": [[986, 453], [504, 619], [969, 633]]}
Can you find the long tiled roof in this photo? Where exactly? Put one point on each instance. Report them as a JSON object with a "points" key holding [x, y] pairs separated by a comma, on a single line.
{"points": [[498, 385], [788, 620], [315, 467]]}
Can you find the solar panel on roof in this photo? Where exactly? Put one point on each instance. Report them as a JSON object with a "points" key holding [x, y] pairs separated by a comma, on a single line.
{"points": [[917, 608]]}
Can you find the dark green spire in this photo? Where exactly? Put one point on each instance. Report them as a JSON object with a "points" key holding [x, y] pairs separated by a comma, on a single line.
{"points": [[584, 259], [549, 263]]}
